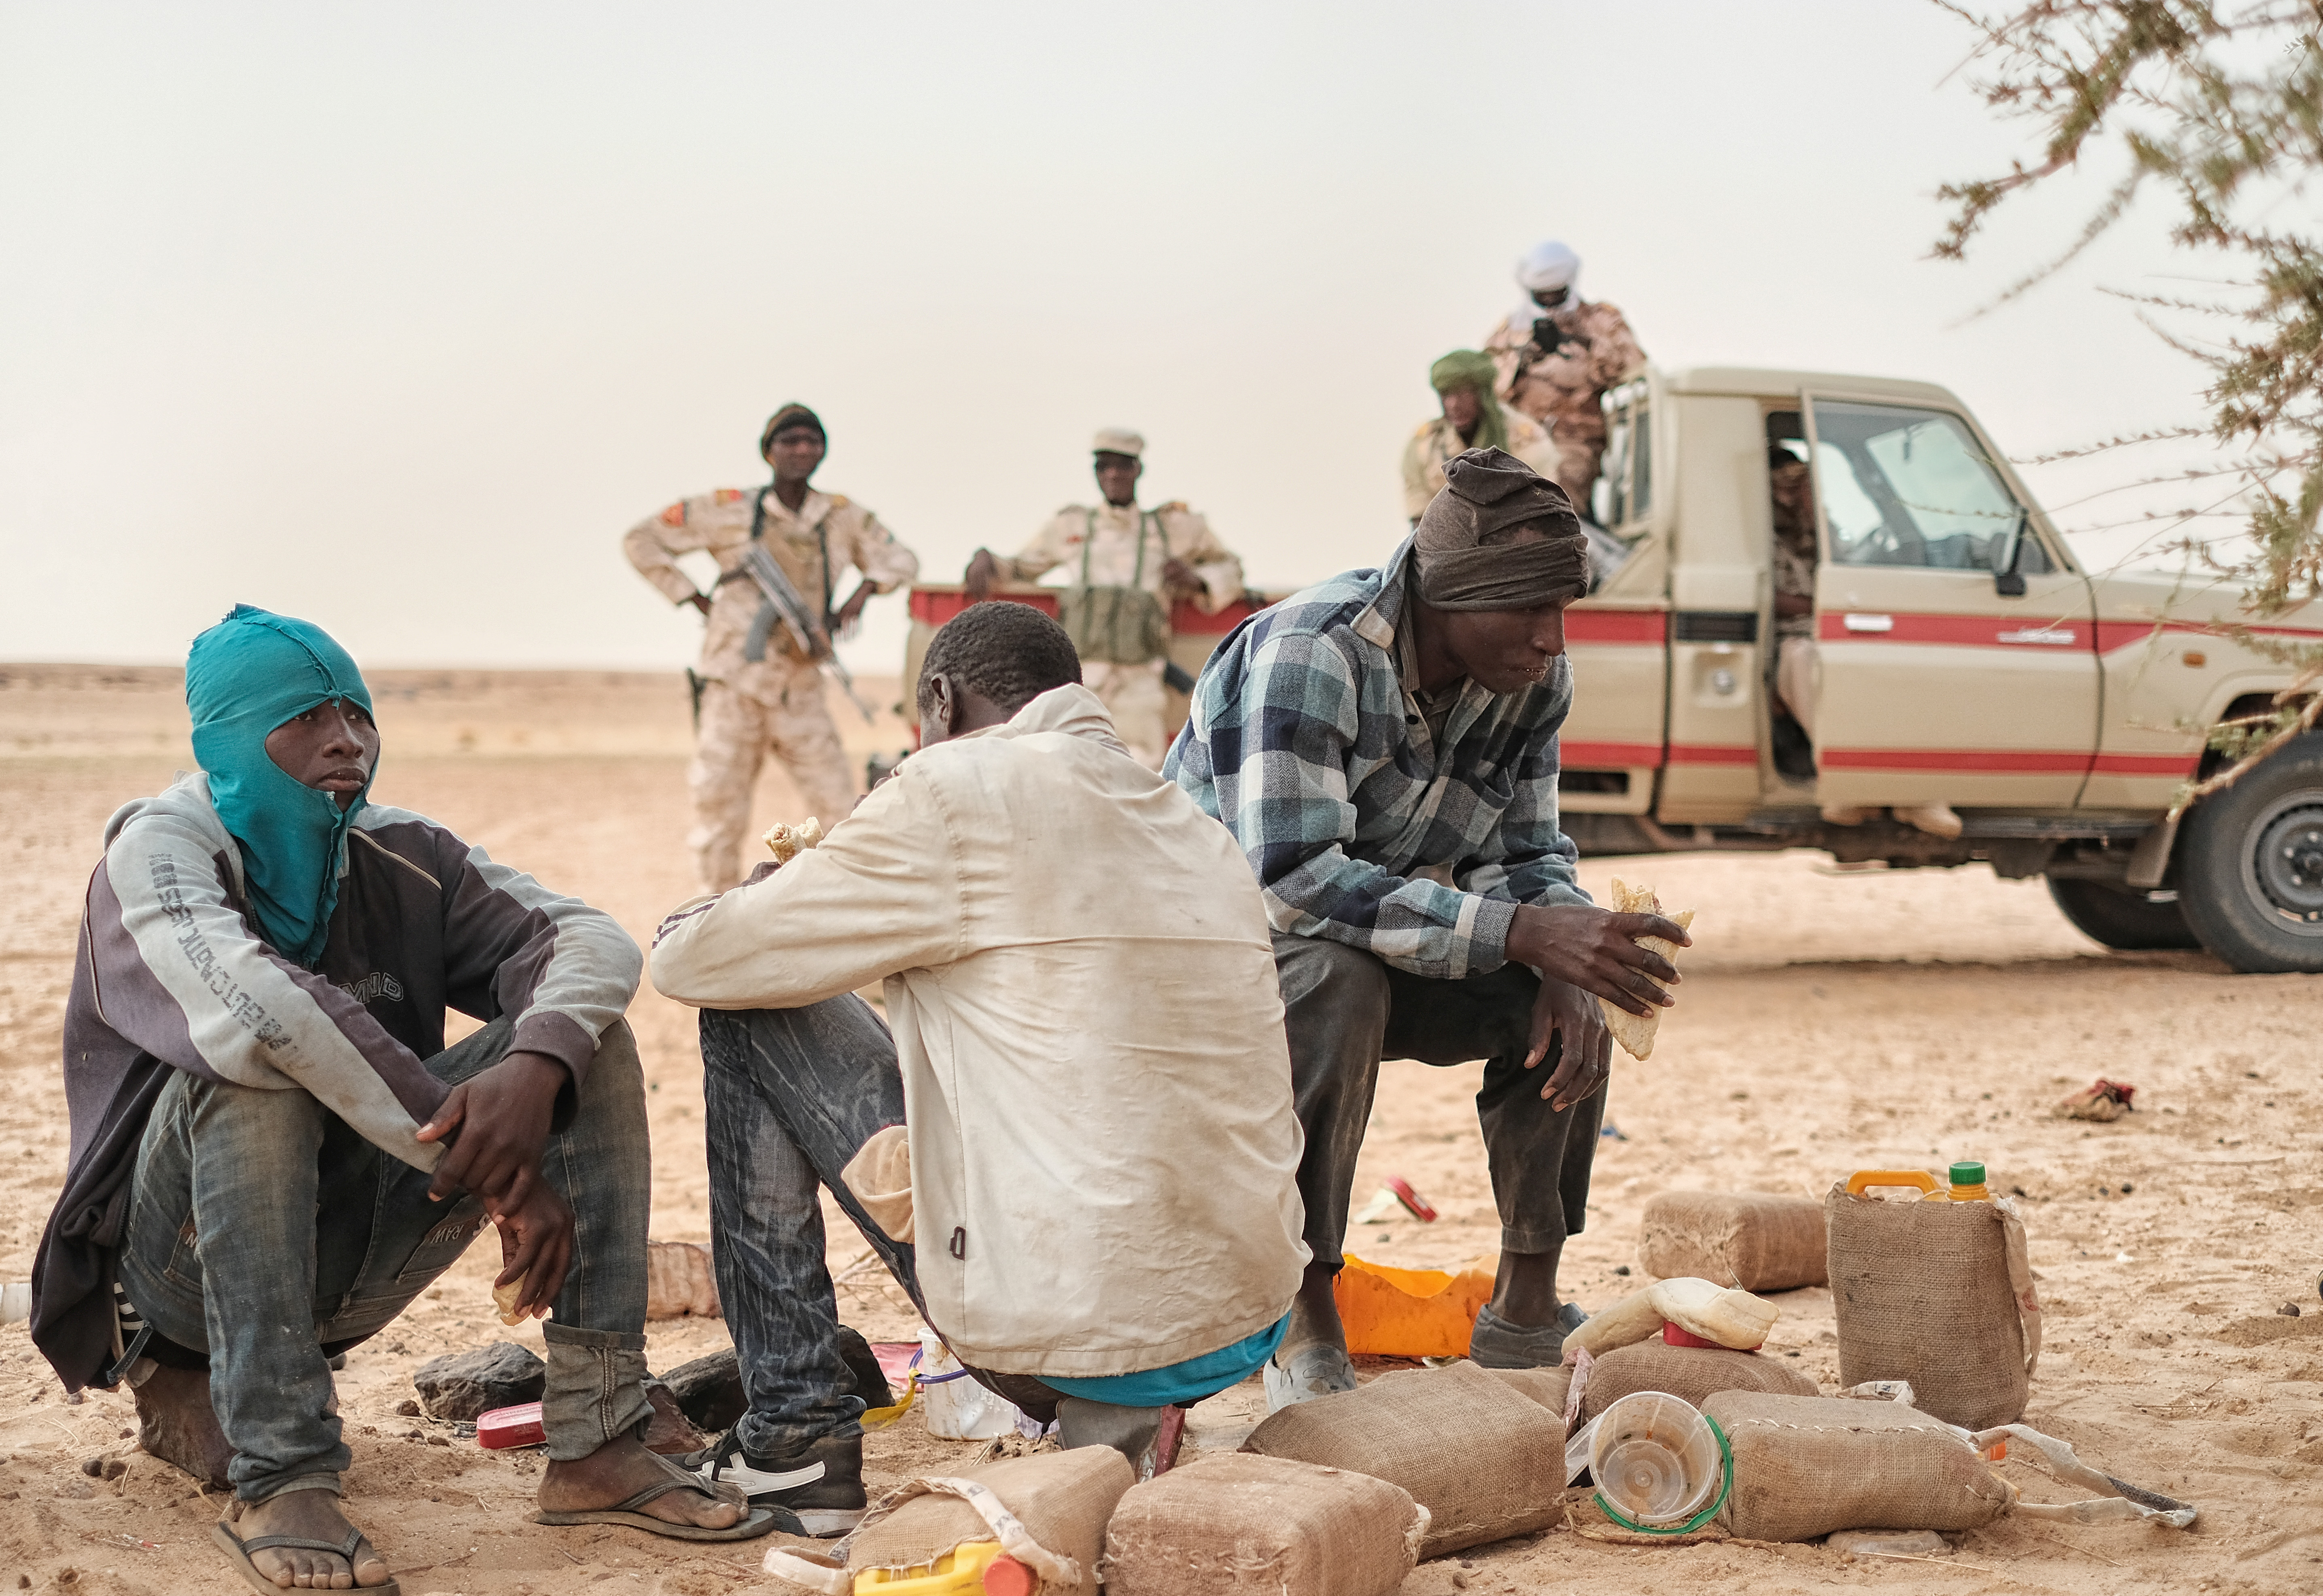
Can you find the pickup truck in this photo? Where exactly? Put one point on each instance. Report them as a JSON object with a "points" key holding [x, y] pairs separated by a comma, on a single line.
{"points": [[1964, 658]]}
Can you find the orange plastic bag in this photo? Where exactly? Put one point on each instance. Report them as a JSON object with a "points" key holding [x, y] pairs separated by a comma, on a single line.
{"points": [[1410, 1313]]}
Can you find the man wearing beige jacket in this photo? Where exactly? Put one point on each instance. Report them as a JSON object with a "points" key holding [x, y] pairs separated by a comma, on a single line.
{"points": [[1101, 1213]]}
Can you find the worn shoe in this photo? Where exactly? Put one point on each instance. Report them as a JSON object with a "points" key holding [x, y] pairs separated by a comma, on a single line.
{"points": [[1320, 1369], [1845, 814], [816, 1490], [1495, 1344], [1937, 819]]}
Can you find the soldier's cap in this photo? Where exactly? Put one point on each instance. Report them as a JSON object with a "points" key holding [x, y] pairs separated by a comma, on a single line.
{"points": [[789, 416], [1118, 440]]}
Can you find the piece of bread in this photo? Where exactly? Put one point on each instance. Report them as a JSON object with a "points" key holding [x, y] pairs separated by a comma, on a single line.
{"points": [[787, 842], [504, 1300], [1635, 1034]]}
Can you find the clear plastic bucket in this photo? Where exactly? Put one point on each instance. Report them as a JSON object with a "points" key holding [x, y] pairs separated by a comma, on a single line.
{"points": [[1654, 1458]]}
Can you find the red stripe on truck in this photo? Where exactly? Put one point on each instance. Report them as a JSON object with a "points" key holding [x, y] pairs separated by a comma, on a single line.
{"points": [[1991, 761]]}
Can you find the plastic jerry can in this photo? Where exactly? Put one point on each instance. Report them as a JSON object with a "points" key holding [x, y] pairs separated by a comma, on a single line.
{"points": [[1919, 1181], [979, 1568]]}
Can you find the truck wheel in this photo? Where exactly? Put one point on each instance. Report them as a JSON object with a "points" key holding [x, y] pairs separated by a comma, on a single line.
{"points": [[2250, 865], [2123, 917]]}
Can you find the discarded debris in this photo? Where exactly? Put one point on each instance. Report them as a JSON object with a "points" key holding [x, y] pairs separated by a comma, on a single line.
{"points": [[2102, 1100]]}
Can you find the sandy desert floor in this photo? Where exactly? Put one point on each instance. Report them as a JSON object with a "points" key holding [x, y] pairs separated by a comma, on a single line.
{"points": [[1830, 1022]]}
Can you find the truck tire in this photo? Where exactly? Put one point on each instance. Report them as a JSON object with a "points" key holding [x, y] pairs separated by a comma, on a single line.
{"points": [[2250, 865], [2123, 917]]}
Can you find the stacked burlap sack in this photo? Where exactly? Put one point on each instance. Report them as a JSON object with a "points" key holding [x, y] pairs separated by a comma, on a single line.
{"points": [[1068, 1520], [1804, 1467], [1753, 1239], [1940, 1294]]}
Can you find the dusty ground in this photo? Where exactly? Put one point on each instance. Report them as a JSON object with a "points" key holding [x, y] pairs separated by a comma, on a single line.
{"points": [[1832, 1022]]}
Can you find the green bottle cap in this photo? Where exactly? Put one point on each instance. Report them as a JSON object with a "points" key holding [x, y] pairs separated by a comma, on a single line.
{"points": [[1968, 1174]]}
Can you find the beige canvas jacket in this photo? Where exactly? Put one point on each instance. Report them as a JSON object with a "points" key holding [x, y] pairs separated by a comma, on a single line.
{"points": [[1113, 553], [1081, 984]]}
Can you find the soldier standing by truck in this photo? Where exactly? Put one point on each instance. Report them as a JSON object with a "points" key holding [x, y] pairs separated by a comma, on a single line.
{"points": [[759, 688], [1130, 566], [1473, 418], [1557, 353]]}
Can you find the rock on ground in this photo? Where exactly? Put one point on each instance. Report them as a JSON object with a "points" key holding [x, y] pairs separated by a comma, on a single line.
{"points": [[460, 1386]]}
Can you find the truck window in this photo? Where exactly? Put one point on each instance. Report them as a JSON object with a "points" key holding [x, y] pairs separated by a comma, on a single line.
{"points": [[1911, 487]]}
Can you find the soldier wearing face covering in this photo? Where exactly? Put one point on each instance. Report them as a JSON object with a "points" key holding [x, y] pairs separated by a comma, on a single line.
{"points": [[1383, 748], [1557, 353]]}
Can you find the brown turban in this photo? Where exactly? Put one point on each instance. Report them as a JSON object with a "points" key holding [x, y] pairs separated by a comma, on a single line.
{"points": [[1486, 490]]}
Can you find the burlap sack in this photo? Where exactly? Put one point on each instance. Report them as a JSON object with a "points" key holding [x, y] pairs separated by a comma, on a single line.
{"points": [[1547, 1387], [1804, 1466], [1940, 1294], [1060, 1499], [1753, 1239], [1484, 1466], [1693, 1373], [1241, 1522]]}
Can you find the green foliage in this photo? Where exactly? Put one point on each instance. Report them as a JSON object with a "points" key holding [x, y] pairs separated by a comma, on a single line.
{"points": [[2218, 112]]}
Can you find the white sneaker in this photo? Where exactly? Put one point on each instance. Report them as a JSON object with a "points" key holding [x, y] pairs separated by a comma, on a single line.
{"points": [[1320, 1369]]}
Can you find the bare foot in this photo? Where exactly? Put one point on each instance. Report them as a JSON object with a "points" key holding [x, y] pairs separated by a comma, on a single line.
{"points": [[314, 1515], [618, 1471]]}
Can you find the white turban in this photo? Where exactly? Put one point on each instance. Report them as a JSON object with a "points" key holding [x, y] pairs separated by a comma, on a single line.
{"points": [[1545, 266]]}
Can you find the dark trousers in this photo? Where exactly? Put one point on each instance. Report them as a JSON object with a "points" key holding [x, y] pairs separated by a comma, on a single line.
{"points": [[792, 1095], [1345, 1010]]}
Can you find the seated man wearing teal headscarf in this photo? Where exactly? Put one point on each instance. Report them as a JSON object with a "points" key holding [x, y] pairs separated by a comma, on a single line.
{"points": [[273, 1152]]}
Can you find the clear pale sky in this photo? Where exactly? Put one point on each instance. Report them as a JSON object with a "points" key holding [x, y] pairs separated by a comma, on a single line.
{"points": [[398, 317]]}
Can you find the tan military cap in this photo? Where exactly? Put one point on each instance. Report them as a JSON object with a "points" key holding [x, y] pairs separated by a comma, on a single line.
{"points": [[1119, 440]]}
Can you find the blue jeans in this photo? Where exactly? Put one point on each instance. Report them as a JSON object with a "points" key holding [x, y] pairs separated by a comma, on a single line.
{"points": [[266, 1234], [792, 1095]]}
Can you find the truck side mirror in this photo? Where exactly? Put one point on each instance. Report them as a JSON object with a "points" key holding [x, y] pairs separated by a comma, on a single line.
{"points": [[2008, 548]]}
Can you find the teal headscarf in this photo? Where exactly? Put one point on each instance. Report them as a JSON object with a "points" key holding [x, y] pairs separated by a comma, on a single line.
{"points": [[245, 676]]}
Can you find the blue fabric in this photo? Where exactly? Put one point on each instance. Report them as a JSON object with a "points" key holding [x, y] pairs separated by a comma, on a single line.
{"points": [[245, 676], [1188, 1381]]}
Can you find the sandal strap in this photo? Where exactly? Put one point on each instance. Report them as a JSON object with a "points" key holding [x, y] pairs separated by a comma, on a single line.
{"points": [[300, 1543]]}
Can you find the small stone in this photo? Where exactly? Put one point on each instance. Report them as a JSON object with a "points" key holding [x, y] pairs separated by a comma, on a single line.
{"points": [[460, 1387], [2289, 1309], [437, 1441], [1460, 1578], [408, 1409], [73, 1399], [1620, 1268], [2126, 1189], [94, 1467]]}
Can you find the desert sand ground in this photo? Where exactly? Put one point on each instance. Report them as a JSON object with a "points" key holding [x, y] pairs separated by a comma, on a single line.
{"points": [[1830, 1022]]}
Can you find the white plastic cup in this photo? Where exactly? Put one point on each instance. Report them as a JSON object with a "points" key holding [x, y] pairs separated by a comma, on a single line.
{"points": [[958, 1407], [1655, 1458]]}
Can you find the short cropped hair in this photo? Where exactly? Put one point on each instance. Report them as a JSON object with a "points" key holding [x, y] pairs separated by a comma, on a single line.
{"points": [[1006, 652]]}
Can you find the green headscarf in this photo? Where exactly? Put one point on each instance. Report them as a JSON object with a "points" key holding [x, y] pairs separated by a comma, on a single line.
{"points": [[1470, 368], [245, 676]]}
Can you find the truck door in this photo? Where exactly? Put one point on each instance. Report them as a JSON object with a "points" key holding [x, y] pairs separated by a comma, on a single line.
{"points": [[1942, 678]]}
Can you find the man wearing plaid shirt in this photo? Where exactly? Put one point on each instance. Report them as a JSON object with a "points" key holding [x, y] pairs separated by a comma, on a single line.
{"points": [[1383, 746]]}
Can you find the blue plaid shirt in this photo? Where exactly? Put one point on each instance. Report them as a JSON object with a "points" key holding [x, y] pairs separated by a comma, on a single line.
{"points": [[1306, 742]]}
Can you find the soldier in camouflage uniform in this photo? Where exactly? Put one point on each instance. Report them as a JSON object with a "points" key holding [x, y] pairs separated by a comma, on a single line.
{"points": [[760, 691], [1169, 553], [1472, 418], [1557, 353]]}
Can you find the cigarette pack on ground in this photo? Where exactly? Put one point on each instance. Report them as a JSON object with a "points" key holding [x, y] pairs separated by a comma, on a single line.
{"points": [[503, 1428], [1635, 1034]]}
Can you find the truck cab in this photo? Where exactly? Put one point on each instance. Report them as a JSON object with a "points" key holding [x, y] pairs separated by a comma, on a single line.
{"points": [[1961, 658]]}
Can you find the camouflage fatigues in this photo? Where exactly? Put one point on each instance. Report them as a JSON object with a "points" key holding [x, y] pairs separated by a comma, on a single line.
{"points": [[1133, 693], [750, 708], [1794, 634], [1564, 390], [1438, 441]]}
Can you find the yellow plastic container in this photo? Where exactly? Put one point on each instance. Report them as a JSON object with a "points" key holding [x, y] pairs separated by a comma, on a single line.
{"points": [[1968, 1184], [960, 1572], [1920, 1180], [1409, 1312]]}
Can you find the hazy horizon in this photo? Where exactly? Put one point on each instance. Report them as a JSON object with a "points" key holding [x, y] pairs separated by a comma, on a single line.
{"points": [[397, 319]]}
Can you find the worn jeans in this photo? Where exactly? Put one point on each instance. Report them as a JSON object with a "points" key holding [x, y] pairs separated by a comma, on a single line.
{"points": [[1345, 1010], [792, 1095], [266, 1234]]}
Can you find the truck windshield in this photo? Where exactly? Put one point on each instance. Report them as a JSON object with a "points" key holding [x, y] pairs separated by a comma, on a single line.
{"points": [[1911, 487]]}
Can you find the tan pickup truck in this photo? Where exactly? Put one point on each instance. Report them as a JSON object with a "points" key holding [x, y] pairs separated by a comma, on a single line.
{"points": [[1963, 658]]}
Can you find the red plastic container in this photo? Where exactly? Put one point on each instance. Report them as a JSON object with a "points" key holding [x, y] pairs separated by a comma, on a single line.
{"points": [[1672, 1335], [503, 1428]]}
